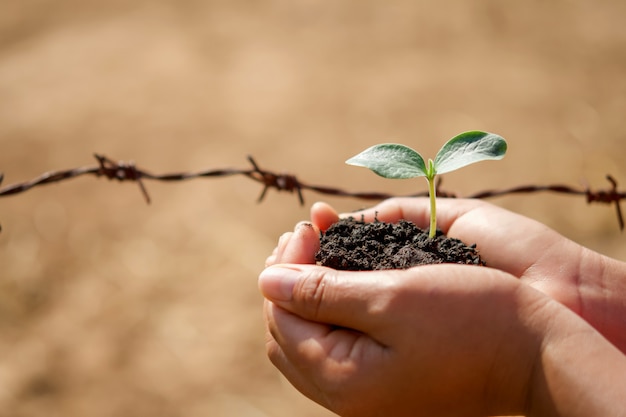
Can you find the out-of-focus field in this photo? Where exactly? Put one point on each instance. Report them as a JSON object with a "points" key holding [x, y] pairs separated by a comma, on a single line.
{"points": [[110, 307]]}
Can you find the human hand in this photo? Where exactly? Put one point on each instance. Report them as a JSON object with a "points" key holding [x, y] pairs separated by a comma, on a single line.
{"points": [[432, 340], [446, 339], [588, 283]]}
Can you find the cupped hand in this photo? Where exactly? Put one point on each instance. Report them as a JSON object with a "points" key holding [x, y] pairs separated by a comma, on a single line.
{"points": [[591, 285], [433, 340]]}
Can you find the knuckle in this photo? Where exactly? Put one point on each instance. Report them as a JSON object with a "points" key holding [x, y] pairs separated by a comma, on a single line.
{"points": [[314, 291]]}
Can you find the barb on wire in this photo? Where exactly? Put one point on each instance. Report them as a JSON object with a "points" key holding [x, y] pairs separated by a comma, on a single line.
{"points": [[120, 170], [608, 197], [128, 171], [282, 182]]}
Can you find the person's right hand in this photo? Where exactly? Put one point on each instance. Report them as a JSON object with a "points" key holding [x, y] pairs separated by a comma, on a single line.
{"points": [[590, 284]]}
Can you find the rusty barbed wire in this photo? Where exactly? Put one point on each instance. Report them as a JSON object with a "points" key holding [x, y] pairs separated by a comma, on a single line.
{"points": [[128, 171]]}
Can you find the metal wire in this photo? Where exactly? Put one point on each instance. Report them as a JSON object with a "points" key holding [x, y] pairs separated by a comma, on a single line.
{"points": [[128, 171]]}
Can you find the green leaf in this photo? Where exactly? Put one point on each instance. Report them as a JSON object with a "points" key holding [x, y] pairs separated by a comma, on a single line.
{"points": [[391, 160], [468, 148]]}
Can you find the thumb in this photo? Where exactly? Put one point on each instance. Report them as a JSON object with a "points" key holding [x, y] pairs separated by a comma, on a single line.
{"points": [[325, 295]]}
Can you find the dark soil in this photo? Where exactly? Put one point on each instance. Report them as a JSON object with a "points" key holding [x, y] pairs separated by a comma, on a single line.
{"points": [[355, 245]]}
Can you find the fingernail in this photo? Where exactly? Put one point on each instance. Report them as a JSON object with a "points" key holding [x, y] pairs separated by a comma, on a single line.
{"points": [[276, 283], [303, 226]]}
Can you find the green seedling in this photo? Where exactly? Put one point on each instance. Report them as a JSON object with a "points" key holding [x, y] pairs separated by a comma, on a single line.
{"points": [[391, 160]]}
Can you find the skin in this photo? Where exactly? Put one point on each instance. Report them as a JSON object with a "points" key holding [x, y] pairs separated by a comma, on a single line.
{"points": [[528, 335]]}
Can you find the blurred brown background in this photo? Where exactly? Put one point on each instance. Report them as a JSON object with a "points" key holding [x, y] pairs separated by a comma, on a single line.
{"points": [[110, 307]]}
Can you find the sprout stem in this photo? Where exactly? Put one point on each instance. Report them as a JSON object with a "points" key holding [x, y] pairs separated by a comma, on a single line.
{"points": [[433, 206]]}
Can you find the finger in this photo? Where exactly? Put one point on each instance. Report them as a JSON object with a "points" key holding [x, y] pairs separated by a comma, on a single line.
{"points": [[338, 298], [274, 342], [417, 210], [323, 215], [279, 249], [316, 357], [300, 247], [366, 301], [315, 341]]}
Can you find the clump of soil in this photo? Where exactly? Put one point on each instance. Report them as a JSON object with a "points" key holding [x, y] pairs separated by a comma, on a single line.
{"points": [[355, 245]]}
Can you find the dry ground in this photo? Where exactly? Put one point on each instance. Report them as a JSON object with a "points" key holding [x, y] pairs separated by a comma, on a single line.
{"points": [[110, 307]]}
